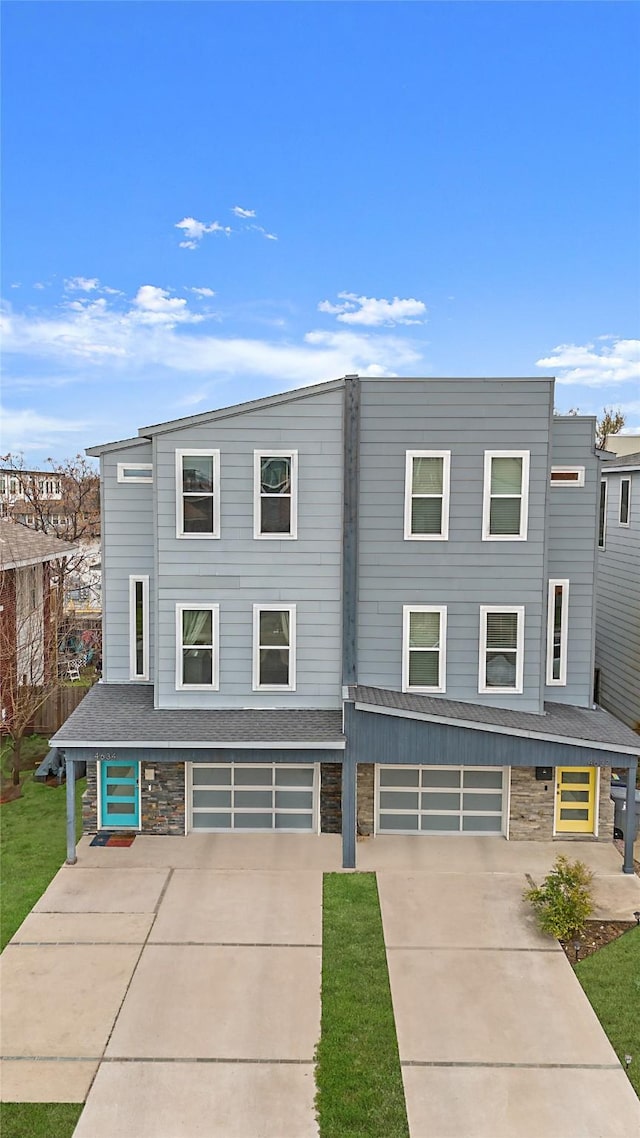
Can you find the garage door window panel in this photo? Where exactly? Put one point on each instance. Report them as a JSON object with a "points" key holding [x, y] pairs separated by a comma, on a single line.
{"points": [[453, 800], [261, 797]]}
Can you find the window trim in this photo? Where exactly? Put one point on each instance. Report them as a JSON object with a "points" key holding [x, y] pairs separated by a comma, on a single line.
{"points": [[275, 606], [197, 453], [564, 631], [489, 455], [579, 470], [603, 541], [442, 650], [257, 496], [122, 466], [445, 455], [483, 689], [626, 524], [134, 579], [194, 606]]}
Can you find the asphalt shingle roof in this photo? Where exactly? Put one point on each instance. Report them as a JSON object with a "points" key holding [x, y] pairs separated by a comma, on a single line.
{"points": [[612, 464], [124, 714], [560, 720], [22, 546]]}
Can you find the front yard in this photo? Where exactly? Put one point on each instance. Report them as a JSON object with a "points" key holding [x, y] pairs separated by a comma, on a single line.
{"points": [[611, 980]]}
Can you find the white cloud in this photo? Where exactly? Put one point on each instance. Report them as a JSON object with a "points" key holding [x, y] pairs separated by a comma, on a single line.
{"points": [[205, 292], [155, 305], [194, 231], [240, 212], [373, 312], [16, 284], [24, 429], [82, 284], [260, 229], [614, 361], [39, 285]]}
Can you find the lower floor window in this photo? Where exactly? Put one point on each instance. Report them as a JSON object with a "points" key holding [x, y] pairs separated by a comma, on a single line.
{"points": [[261, 796], [459, 800]]}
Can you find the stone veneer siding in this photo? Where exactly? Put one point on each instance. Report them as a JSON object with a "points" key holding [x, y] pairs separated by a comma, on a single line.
{"points": [[163, 807], [365, 798], [532, 808], [331, 798]]}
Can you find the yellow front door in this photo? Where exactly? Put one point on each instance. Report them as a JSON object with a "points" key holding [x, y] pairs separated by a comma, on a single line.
{"points": [[575, 800]]}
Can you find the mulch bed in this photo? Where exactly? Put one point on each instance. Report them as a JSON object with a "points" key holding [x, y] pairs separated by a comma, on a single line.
{"points": [[595, 936]]}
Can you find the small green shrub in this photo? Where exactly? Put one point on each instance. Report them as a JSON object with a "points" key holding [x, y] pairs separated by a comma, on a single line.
{"points": [[564, 901]]}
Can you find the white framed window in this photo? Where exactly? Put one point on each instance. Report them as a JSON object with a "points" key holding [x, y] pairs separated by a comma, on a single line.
{"points": [[602, 514], [197, 493], [567, 475], [557, 632], [139, 628], [624, 506], [135, 472], [426, 495], [424, 648], [505, 508], [501, 649], [197, 647], [275, 494], [274, 647]]}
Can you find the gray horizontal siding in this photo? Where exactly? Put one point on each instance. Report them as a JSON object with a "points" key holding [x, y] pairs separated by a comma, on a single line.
{"points": [[127, 550], [618, 611]]}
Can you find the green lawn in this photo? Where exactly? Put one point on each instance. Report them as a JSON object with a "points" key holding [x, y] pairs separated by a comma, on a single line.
{"points": [[611, 980], [39, 1119], [360, 1093]]}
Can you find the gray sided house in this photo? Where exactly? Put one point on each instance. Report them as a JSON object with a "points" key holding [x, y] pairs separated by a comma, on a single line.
{"points": [[364, 607], [618, 608]]}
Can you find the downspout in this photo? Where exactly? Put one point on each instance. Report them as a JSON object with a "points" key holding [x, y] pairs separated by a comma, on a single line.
{"points": [[351, 469], [70, 769], [630, 816]]}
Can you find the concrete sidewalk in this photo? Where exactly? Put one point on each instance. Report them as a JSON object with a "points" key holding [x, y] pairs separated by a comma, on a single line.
{"points": [[496, 1036], [178, 1002]]}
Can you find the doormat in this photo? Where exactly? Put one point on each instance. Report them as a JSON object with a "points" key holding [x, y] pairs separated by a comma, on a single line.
{"points": [[106, 838]]}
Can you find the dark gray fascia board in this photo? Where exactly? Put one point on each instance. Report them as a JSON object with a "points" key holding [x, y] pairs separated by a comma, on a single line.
{"points": [[240, 408], [120, 444], [206, 745]]}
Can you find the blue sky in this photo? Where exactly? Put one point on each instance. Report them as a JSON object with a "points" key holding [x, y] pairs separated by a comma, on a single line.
{"points": [[208, 202]]}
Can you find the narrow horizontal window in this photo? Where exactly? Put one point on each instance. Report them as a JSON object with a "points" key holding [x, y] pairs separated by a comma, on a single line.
{"points": [[557, 633], [134, 472], [625, 501], [197, 647], [139, 628], [275, 494], [567, 475], [501, 649], [198, 493], [426, 500], [274, 645], [506, 495], [424, 648], [602, 514]]}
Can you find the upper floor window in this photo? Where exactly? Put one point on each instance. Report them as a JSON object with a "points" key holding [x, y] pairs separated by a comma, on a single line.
{"points": [[198, 493], [274, 647], [424, 648], [139, 628], [197, 647], [567, 475], [426, 497], [275, 498], [625, 501], [602, 514], [501, 649], [557, 633], [506, 495], [135, 472]]}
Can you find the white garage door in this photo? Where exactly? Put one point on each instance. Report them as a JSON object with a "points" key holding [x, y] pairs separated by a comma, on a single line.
{"points": [[441, 800], [260, 796]]}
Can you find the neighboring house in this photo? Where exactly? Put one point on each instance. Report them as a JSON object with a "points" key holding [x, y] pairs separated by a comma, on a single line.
{"points": [[365, 606], [83, 584], [27, 646], [623, 445], [18, 487], [618, 608]]}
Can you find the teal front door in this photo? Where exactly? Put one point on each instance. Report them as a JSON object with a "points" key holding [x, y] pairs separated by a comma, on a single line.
{"points": [[119, 795]]}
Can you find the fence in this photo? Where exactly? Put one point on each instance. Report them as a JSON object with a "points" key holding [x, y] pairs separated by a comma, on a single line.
{"points": [[57, 708]]}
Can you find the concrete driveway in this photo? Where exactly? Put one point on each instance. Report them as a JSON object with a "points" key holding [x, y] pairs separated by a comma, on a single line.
{"points": [[179, 999], [495, 1034]]}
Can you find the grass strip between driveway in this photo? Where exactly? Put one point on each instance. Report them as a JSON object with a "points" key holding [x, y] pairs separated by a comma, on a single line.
{"points": [[358, 1075], [611, 980], [39, 1119]]}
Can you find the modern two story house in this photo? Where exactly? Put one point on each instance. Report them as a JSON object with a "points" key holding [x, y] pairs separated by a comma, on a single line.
{"points": [[364, 607]]}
